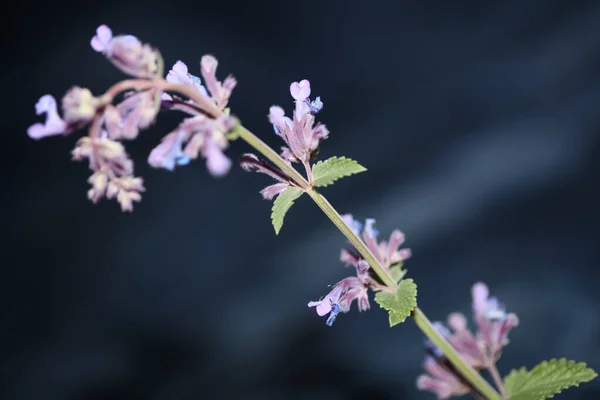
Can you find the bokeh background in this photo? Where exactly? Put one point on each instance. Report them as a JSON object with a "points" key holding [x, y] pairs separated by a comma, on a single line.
{"points": [[479, 123]]}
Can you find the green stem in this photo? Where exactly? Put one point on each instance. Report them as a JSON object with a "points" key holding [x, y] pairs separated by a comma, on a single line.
{"points": [[356, 241], [452, 355], [420, 319]]}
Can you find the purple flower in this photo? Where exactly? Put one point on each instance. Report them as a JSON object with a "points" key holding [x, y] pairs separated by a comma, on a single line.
{"points": [[387, 253], [179, 74], [126, 52], [169, 153], [136, 111], [113, 171], [480, 350], [221, 92], [492, 321], [201, 136], [101, 41], [440, 380], [299, 133], [325, 305], [344, 293], [216, 162], [54, 123], [463, 340]]}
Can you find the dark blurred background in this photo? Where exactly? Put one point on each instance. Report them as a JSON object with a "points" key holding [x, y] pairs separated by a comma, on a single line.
{"points": [[479, 123]]}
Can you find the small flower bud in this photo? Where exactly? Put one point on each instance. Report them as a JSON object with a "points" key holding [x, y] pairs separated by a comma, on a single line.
{"points": [[126, 52], [79, 105]]}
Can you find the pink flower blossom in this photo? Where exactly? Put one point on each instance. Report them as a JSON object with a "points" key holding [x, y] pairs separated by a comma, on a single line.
{"points": [[113, 171], [126, 53], [492, 321], [54, 124], [101, 41], [440, 380], [201, 136], [137, 111], [299, 133], [480, 350], [221, 92], [344, 293], [387, 253], [179, 74]]}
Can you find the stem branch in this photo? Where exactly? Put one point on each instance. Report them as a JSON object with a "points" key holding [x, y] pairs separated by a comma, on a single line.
{"points": [[496, 377]]}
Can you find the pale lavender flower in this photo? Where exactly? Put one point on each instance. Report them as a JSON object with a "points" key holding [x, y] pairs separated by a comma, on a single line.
{"points": [[201, 136], [54, 124], [387, 253], [463, 340], [113, 170], [126, 52], [169, 153], [221, 92], [492, 321], [137, 111], [216, 162], [101, 41], [480, 350], [441, 380], [344, 293], [299, 133], [179, 74]]}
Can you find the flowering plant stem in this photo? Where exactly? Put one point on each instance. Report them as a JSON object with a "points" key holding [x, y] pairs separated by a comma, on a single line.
{"points": [[474, 378], [480, 384]]}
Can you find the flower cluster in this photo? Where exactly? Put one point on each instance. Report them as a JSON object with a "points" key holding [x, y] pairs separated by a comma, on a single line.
{"points": [[388, 253], [343, 293], [480, 349], [201, 134], [127, 53], [204, 133], [300, 135]]}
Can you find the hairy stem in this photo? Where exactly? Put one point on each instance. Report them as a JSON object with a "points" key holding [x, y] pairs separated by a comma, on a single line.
{"points": [[496, 377], [420, 319]]}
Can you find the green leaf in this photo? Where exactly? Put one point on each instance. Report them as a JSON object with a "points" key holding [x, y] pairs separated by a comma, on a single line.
{"points": [[515, 380], [282, 204], [399, 304], [328, 171], [397, 272], [547, 379]]}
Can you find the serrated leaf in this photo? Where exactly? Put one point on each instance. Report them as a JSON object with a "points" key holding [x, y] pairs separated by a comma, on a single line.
{"points": [[400, 303], [397, 272], [282, 204], [515, 380], [548, 379], [328, 171]]}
